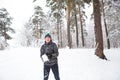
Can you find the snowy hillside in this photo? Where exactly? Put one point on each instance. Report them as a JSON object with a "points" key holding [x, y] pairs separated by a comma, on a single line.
{"points": [[74, 64]]}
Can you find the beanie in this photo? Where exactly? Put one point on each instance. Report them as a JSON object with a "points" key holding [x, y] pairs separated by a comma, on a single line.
{"points": [[48, 35]]}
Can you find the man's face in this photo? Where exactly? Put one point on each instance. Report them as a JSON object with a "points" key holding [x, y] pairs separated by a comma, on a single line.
{"points": [[47, 39]]}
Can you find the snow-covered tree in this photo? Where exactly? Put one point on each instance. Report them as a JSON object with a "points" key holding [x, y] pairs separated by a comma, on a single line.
{"points": [[112, 11], [34, 29], [37, 19], [5, 22]]}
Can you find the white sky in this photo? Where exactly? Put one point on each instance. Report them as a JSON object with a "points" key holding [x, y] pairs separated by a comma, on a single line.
{"points": [[21, 10]]}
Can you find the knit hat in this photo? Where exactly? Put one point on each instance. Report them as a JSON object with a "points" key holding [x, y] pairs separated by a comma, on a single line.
{"points": [[48, 35]]}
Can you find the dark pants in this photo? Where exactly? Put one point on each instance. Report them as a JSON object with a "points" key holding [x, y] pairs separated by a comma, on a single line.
{"points": [[54, 70]]}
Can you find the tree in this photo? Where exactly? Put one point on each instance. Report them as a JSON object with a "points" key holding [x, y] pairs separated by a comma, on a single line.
{"points": [[68, 23], [105, 24], [76, 22], [61, 33], [37, 21], [57, 13], [34, 28], [63, 4], [26, 35], [80, 3], [98, 30], [112, 15], [70, 7], [87, 1], [5, 22]]}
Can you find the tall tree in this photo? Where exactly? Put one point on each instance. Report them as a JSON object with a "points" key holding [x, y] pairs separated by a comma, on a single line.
{"points": [[79, 3], [37, 21], [105, 24], [112, 15], [76, 22], [98, 30], [61, 41], [5, 22], [56, 10], [68, 8]]}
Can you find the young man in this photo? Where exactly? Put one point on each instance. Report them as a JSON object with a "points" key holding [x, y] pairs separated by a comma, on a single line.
{"points": [[50, 50]]}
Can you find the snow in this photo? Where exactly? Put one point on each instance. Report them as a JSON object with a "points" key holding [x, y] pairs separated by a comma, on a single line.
{"points": [[24, 63]]}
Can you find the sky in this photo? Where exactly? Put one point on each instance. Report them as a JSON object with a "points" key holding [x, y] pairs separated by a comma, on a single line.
{"points": [[21, 10]]}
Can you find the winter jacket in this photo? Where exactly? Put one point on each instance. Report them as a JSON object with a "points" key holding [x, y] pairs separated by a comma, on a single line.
{"points": [[51, 51]]}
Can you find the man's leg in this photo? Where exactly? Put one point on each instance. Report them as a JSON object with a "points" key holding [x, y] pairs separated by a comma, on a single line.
{"points": [[55, 71], [46, 72]]}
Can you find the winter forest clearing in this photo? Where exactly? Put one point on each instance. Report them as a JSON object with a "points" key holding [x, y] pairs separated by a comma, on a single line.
{"points": [[86, 32], [74, 64]]}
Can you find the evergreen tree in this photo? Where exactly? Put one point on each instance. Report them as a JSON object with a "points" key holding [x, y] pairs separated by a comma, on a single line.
{"points": [[5, 23], [112, 15], [37, 21]]}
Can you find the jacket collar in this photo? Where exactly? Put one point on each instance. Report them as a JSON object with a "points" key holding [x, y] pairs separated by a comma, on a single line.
{"points": [[48, 43]]}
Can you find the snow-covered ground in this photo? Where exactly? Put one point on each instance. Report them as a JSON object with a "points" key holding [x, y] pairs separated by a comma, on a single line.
{"points": [[74, 64]]}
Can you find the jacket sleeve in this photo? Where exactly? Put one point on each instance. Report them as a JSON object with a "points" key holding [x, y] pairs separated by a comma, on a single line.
{"points": [[42, 51], [56, 53]]}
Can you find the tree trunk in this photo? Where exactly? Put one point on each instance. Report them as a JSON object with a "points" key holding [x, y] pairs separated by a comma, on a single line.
{"points": [[61, 36], [80, 15], [37, 34], [58, 23], [98, 30], [40, 28], [68, 25], [5, 32], [105, 24], [58, 31], [77, 40], [37, 31]]}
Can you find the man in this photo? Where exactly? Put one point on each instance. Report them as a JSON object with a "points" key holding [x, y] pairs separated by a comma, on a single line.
{"points": [[50, 50]]}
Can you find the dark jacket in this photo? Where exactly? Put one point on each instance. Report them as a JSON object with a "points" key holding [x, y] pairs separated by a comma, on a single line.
{"points": [[51, 51]]}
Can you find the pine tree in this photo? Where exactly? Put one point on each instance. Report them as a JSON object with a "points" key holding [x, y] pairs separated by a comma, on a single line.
{"points": [[5, 22], [37, 21], [98, 30]]}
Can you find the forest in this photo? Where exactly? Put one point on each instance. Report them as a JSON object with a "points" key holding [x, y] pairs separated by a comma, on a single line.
{"points": [[73, 39], [66, 21]]}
